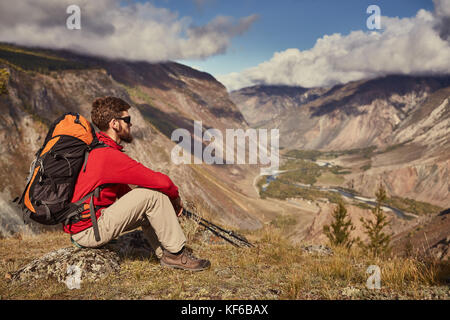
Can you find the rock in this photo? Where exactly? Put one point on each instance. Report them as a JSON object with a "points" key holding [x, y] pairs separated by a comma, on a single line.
{"points": [[320, 249], [224, 272], [73, 265], [350, 291], [441, 250], [70, 264]]}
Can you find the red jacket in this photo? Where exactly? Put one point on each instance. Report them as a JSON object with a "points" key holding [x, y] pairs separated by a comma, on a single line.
{"points": [[110, 165]]}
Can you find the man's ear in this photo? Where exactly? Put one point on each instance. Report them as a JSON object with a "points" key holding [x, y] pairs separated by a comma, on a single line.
{"points": [[114, 124]]}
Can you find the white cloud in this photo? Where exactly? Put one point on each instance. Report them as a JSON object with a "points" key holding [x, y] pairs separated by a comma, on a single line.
{"points": [[417, 45], [136, 31]]}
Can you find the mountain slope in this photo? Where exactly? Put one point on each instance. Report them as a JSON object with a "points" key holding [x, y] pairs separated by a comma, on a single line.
{"points": [[405, 119], [43, 84]]}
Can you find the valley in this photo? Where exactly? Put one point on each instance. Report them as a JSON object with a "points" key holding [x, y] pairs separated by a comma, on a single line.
{"points": [[336, 144]]}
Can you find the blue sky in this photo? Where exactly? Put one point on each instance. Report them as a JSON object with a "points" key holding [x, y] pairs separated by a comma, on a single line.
{"points": [[282, 25], [305, 43]]}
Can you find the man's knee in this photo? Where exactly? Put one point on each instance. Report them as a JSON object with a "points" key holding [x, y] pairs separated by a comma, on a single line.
{"points": [[151, 196]]}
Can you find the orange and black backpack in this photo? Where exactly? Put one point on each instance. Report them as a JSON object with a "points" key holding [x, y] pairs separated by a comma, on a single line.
{"points": [[54, 172]]}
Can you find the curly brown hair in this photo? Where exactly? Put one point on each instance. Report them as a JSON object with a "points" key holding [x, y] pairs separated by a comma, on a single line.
{"points": [[105, 109]]}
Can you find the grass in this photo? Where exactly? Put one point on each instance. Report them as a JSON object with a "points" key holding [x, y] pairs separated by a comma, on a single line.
{"points": [[313, 155], [274, 269], [304, 154], [330, 178], [413, 206], [36, 61], [4, 78]]}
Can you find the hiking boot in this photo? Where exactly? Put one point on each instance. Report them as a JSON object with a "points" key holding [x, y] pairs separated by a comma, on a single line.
{"points": [[184, 260]]}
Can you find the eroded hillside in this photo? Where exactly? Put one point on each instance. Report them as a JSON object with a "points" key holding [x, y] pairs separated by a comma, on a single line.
{"points": [[42, 84]]}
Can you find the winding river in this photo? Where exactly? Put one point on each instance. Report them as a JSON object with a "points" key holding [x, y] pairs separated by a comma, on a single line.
{"points": [[343, 193]]}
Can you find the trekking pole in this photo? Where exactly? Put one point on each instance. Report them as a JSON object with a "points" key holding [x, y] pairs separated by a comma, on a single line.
{"points": [[210, 226], [217, 233]]}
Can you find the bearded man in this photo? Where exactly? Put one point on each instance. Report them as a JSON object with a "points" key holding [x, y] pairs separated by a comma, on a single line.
{"points": [[154, 205]]}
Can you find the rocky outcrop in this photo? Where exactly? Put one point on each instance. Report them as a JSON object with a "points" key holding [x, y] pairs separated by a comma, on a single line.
{"points": [[430, 239], [71, 266]]}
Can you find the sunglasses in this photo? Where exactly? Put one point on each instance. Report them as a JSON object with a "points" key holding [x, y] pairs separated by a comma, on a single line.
{"points": [[126, 119]]}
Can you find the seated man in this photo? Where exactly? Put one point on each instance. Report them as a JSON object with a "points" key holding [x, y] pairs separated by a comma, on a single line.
{"points": [[154, 205]]}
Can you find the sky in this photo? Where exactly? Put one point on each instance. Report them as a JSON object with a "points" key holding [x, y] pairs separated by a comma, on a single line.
{"points": [[285, 24], [305, 43]]}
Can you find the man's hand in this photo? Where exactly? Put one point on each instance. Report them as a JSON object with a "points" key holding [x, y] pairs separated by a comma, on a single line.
{"points": [[178, 206]]}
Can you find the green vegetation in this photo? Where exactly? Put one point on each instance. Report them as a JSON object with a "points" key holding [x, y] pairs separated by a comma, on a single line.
{"points": [[261, 181], [330, 178], [301, 171], [367, 152], [338, 233], [280, 189], [313, 155], [379, 241], [307, 172], [137, 92], [36, 61], [284, 222], [4, 78], [412, 206], [304, 154]]}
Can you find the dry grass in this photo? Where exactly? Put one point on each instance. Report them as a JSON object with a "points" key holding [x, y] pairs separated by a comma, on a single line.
{"points": [[274, 269]]}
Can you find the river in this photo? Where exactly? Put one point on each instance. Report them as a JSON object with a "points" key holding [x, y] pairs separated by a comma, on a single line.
{"points": [[345, 194]]}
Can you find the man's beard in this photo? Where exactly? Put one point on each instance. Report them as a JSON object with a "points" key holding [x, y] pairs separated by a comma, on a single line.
{"points": [[126, 137]]}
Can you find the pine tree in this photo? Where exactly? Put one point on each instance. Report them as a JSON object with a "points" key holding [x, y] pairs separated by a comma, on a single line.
{"points": [[379, 241], [338, 232]]}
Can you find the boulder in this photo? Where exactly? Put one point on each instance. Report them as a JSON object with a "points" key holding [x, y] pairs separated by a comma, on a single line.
{"points": [[73, 265], [320, 250], [70, 265]]}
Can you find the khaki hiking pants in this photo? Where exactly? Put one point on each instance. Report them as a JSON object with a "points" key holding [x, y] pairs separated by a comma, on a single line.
{"points": [[146, 208]]}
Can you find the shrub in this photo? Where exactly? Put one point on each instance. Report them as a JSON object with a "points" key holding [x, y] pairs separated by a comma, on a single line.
{"points": [[339, 231], [379, 241]]}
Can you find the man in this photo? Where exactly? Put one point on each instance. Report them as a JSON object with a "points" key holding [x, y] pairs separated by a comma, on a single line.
{"points": [[154, 205]]}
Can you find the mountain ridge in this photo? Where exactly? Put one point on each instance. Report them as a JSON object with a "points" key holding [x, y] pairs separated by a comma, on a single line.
{"points": [[38, 91], [406, 116]]}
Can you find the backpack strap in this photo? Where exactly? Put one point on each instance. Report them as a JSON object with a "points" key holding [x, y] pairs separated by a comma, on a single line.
{"points": [[96, 193], [79, 208], [96, 144]]}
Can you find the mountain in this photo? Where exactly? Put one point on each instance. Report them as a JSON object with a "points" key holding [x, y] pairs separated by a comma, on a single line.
{"points": [[260, 104], [393, 129], [38, 85]]}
